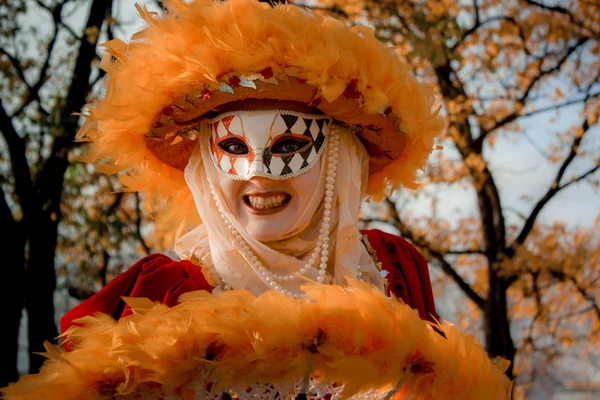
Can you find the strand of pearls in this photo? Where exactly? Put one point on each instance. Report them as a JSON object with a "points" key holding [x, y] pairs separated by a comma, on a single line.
{"points": [[320, 252]]}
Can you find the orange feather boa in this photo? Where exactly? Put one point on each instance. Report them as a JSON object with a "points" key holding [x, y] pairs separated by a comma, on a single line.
{"points": [[355, 336]]}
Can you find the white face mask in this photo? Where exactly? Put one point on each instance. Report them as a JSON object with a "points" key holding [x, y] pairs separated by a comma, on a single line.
{"points": [[274, 144]]}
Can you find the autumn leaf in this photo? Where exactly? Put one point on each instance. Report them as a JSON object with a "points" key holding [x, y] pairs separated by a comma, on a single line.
{"points": [[558, 93], [91, 34]]}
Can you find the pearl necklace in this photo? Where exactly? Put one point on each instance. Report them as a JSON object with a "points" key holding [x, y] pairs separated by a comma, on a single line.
{"points": [[322, 246]]}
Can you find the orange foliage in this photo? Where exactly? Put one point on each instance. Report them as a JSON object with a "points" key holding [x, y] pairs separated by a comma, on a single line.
{"points": [[500, 65]]}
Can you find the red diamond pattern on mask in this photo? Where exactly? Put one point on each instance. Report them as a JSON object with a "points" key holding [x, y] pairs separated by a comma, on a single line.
{"points": [[227, 122], [215, 128], [216, 150], [232, 170]]}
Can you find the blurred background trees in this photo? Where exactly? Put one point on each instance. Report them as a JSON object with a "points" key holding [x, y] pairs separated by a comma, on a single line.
{"points": [[57, 218], [520, 82], [508, 212]]}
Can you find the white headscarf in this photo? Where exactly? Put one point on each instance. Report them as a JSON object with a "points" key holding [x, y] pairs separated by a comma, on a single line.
{"points": [[214, 245]]}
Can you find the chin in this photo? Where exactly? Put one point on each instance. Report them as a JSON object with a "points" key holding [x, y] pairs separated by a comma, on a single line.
{"points": [[269, 224], [269, 228], [268, 233]]}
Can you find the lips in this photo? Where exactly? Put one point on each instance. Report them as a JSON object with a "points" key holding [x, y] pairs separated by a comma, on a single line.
{"points": [[266, 203]]}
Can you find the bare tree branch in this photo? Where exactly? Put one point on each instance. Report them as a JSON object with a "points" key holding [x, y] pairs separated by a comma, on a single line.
{"points": [[550, 8], [34, 90], [564, 11], [104, 269], [539, 311], [429, 250], [80, 293], [16, 65], [581, 177], [479, 24], [60, 23], [333, 10], [138, 224], [105, 254], [556, 107], [464, 252], [70, 30], [51, 174], [6, 217], [553, 190], [24, 188], [525, 96], [488, 197], [580, 289]]}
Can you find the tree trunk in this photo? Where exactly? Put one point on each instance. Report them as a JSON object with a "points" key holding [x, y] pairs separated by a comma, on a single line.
{"points": [[40, 283], [42, 229], [12, 271], [498, 339]]}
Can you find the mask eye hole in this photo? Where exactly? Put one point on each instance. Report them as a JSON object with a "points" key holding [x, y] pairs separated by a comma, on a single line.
{"points": [[234, 146], [289, 144]]}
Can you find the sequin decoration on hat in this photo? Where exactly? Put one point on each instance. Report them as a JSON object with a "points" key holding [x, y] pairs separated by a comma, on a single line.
{"points": [[274, 144]]}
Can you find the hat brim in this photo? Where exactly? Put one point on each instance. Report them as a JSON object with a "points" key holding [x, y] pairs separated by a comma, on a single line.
{"points": [[170, 142]]}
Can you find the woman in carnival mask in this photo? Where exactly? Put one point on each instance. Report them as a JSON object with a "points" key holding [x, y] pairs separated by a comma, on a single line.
{"points": [[260, 131], [276, 165]]}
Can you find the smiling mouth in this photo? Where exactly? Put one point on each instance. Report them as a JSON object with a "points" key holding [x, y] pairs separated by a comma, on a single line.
{"points": [[266, 203]]}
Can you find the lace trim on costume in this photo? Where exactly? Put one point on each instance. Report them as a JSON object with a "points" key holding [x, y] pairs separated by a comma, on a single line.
{"points": [[205, 271], [378, 264]]}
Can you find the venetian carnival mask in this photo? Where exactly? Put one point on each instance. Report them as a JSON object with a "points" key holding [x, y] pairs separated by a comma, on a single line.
{"points": [[273, 144], [268, 163]]}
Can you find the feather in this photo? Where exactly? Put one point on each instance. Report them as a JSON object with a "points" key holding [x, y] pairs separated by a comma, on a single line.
{"points": [[354, 336], [193, 44]]}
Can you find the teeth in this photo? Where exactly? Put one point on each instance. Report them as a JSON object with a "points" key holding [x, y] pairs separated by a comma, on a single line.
{"points": [[262, 202]]}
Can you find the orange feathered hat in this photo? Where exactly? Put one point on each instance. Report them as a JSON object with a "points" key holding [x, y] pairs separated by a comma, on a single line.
{"points": [[204, 54]]}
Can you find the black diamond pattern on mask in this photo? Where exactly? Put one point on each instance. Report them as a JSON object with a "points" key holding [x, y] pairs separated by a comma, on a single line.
{"points": [[267, 159], [308, 123], [289, 120], [320, 123], [319, 142], [286, 160], [305, 154]]}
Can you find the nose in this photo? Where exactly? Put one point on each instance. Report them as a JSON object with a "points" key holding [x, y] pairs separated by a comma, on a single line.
{"points": [[257, 165], [262, 182]]}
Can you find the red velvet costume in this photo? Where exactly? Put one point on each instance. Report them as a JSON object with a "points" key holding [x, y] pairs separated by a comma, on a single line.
{"points": [[161, 279]]}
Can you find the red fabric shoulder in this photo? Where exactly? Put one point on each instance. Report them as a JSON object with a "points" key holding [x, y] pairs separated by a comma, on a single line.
{"points": [[156, 277], [163, 280], [408, 273]]}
